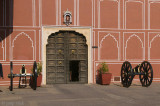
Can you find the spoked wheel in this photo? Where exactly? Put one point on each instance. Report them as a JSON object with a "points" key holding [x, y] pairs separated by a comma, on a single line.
{"points": [[147, 74], [126, 74], [34, 76], [11, 77]]}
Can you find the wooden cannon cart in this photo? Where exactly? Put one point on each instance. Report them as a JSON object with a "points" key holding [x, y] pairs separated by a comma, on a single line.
{"points": [[144, 70], [33, 76]]}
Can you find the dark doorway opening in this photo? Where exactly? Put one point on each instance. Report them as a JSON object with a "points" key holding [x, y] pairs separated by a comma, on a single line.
{"points": [[74, 70]]}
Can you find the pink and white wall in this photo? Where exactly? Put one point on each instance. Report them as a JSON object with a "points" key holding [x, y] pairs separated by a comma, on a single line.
{"points": [[121, 29]]}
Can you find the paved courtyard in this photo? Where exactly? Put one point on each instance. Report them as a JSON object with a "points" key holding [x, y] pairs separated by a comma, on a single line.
{"points": [[82, 95]]}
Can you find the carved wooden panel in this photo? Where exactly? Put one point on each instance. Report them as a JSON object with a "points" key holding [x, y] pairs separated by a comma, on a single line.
{"points": [[63, 47]]}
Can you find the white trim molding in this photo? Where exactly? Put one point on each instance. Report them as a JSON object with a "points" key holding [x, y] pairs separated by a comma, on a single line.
{"points": [[32, 39], [125, 8], [100, 41], [149, 11], [156, 35], [3, 45], [132, 34], [99, 12]]}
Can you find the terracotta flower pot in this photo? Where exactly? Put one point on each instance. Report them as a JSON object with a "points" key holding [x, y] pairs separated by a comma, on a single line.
{"points": [[39, 80], [105, 79]]}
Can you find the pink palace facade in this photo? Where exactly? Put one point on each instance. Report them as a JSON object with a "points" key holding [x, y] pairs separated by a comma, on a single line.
{"points": [[112, 31]]}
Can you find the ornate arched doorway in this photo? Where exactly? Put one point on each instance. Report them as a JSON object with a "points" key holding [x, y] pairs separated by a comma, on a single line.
{"points": [[66, 58]]}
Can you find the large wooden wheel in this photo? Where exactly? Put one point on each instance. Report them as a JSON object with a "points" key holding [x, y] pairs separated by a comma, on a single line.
{"points": [[11, 77], [1, 71], [146, 75], [35, 76], [126, 74]]}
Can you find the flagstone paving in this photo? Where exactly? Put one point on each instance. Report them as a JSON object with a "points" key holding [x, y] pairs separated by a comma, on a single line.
{"points": [[82, 95]]}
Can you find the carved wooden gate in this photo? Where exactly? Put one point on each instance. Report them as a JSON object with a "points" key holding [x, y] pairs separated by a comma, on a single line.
{"points": [[63, 48]]}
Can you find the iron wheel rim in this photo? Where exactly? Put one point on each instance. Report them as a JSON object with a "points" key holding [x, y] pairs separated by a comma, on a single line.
{"points": [[147, 74], [126, 74]]}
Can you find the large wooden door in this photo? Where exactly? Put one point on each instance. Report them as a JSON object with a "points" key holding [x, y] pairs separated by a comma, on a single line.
{"points": [[63, 48]]}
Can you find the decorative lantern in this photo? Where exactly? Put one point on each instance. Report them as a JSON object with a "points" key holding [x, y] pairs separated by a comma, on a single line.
{"points": [[67, 17]]}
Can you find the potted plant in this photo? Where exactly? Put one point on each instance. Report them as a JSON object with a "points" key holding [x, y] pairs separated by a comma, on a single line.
{"points": [[39, 73], [104, 77]]}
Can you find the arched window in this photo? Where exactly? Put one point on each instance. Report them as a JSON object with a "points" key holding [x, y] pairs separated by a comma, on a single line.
{"points": [[22, 47], [109, 48], [134, 48], [154, 48]]}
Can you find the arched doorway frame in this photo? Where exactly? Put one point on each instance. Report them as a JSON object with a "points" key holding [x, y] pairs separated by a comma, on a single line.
{"points": [[48, 30]]}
